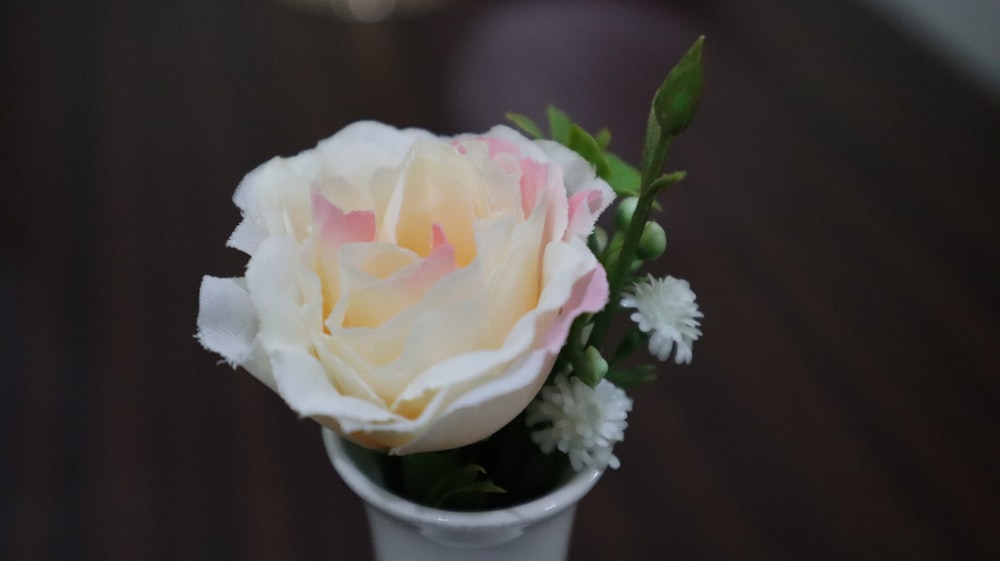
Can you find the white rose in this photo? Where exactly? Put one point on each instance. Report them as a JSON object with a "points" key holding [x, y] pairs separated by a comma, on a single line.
{"points": [[408, 291]]}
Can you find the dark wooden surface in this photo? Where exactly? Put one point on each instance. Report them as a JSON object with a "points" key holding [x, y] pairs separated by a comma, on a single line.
{"points": [[839, 225]]}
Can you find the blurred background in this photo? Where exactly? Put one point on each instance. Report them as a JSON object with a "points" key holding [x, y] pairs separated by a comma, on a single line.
{"points": [[839, 225]]}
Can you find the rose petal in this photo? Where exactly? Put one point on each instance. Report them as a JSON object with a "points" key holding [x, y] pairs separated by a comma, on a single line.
{"points": [[438, 187], [227, 324], [302, 382], [375, 303], [480, 411]]}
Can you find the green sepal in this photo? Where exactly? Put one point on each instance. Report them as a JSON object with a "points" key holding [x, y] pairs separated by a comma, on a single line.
{"points": [[525, 123], [559, 125], [676, 101]]}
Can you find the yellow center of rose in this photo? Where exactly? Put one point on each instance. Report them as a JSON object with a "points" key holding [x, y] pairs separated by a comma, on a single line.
{"points": [[443, 187]]}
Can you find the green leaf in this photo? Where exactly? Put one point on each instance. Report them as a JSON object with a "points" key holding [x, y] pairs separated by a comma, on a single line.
{"points": [[676, 101], [666, 181], [628, 377], [470, 494], [462, 481], [586, 146], [622, 176], [559, 125], [525, 123], [603, 138]]}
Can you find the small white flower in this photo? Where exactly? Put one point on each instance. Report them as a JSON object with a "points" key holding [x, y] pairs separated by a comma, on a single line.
{"points": [[582, 422], [666, 307]]}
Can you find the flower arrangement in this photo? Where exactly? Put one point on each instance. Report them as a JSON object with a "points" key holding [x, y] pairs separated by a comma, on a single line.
{"points": [[448, 301]]}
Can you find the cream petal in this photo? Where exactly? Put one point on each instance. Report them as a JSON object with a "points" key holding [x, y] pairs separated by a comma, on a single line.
{"points": [[364, 148], [248, 236], [345, 369], [438, 187], [276, 196], [303, 384], [514, 279], [357, 267], [259, 365], [285, 293], [378, 350], [377, 302], [483, 409], [392, 435], [534, 330], [428, 361], [227, 322], [562, 299]]}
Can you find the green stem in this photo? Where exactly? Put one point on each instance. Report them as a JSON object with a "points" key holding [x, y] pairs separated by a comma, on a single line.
{"points": [[654, 154]]}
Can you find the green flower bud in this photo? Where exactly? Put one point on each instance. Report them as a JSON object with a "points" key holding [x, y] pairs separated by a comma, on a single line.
{"points": [[652, 243], [676, 102], [623, 215], [590, 367]]}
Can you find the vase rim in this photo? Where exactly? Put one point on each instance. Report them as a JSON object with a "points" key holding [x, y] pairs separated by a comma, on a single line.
{"points": [[563, 497]]}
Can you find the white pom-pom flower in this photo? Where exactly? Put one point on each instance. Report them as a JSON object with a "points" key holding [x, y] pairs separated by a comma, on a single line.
{"points": [[666, 309], [582, 422]]}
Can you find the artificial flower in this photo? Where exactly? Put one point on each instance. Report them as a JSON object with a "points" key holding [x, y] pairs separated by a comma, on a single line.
{"points": [[410, 292], [582, 422], [667, 311]]}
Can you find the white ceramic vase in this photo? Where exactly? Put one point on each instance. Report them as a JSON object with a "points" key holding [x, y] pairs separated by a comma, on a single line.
{"points": [[405, 531]]}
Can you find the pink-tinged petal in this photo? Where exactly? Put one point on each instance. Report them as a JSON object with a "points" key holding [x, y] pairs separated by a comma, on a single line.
{"points": [[438, 237], [534, 181], [338, 228], [438, 186], [432, 268], [374, 304], [495, 145], [499, 146], [590, 294], [584, 208], [335, 229]]}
